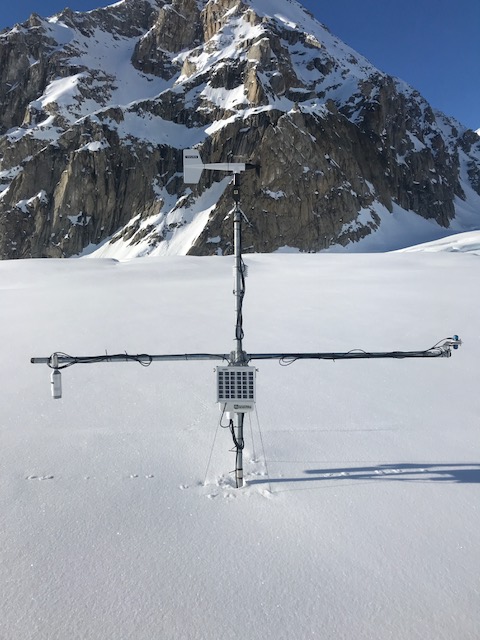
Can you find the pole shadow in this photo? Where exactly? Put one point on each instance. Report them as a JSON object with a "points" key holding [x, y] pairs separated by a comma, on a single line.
{"points": [[465, 472]]}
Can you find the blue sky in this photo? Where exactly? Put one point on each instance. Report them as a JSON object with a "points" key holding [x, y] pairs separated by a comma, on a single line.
{"points": [[434, 45]]}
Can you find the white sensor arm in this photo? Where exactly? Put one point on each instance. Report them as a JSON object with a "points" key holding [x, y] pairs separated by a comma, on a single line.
{"points": [[193, 166]]}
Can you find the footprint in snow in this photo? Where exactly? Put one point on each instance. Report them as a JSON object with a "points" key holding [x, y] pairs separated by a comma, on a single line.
{"points": [[149, 476], [266, 494]]}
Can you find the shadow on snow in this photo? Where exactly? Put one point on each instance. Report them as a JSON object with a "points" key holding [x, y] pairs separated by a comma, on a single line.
{"points": [[406, 472]]}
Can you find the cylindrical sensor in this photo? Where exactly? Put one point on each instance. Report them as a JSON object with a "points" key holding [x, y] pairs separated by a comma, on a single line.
{"points": [[56, 382]]}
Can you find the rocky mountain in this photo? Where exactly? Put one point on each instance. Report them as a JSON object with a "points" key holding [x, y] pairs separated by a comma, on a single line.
{"points": [[98, 106]]}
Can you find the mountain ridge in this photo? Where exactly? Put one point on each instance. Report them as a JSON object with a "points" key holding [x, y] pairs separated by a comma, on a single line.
{"points": [[110, 97]]}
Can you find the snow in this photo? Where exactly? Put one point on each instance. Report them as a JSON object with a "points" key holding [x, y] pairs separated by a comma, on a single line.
{"points": [[401, 228], [6, 176], [468, 242], [93, 147], [180, 227], [142, 125], [417, 144], [275, 195], [224, 98], [59, 31], [112, 55], [224, 46], [64, 89], [360, 515], [24, 205], [107, 57], [80, 219]]}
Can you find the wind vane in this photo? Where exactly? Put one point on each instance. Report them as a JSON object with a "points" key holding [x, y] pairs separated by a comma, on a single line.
{"points": [[236, 392]]}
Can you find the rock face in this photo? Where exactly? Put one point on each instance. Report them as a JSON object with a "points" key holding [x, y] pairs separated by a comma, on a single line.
{"points": [[97, 107]]}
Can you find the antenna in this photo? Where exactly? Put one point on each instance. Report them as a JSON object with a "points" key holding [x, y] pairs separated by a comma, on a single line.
{"points": [[236, 393]]}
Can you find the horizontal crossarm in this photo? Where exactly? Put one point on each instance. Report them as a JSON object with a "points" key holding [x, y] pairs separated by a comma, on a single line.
{"points": [[442, 349], [63, 360]]}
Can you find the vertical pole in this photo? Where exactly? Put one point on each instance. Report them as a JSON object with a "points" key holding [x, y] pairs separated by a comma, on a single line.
{"points": [[238, 427], [238, 284], [239, 290]]}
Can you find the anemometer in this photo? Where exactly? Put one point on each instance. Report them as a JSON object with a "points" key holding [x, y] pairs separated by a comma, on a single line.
{"points": [[235, 382]]}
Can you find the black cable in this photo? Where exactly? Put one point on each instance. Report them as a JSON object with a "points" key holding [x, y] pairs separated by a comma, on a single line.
{"points": [[63, 366], [239, 334], [286, 362], [289, 359], [239, 445], [143, 358]]}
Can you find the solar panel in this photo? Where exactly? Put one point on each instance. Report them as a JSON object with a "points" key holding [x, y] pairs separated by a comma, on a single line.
{"points": [[236, 388]]}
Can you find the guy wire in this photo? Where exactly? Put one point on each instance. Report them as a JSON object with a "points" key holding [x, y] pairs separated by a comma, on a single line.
{"points": [[263, 450]]}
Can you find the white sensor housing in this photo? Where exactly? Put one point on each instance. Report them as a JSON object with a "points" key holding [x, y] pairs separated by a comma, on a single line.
{"points": [[56, 384]]}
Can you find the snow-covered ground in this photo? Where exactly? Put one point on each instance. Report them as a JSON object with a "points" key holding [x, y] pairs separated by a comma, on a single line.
{"points": [[468, 242], [360, 519]]}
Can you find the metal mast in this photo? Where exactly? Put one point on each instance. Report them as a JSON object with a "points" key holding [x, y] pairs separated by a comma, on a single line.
{"points": [[239, 358], [239, 272]]}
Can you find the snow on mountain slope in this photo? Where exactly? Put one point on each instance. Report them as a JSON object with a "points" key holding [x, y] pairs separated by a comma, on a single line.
{"points": [[360, 515], [107, 77], [402, 230], [460, 242]]}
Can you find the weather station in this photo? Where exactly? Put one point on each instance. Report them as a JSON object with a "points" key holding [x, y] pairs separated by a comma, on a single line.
{"points": [[235, 382]]}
